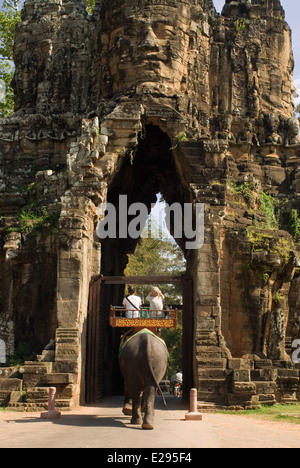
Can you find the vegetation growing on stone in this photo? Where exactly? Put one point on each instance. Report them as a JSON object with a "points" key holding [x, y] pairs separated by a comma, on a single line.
{"points": [[9, 17], [85, 88]]}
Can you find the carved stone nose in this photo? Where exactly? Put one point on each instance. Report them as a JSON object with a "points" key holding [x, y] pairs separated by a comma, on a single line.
{"points": [[149, 42]]}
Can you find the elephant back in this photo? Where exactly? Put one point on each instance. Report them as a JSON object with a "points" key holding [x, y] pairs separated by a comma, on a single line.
{"points": [[145, 331]]}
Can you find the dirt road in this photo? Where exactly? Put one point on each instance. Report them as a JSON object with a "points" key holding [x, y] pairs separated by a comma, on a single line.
{"points": [[105, 426]]}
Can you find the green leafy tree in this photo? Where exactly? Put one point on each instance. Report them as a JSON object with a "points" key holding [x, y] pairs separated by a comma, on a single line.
{"points": [[173, 339], [157, 257], [294, 225], [9, 16], [161, 257], [90, 5]]}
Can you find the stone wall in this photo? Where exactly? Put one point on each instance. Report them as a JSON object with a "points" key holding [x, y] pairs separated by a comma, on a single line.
{"points": [[88, 88]]}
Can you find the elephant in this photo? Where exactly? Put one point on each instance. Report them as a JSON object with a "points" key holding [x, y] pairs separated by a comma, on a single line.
{"points": [[143, 363]]}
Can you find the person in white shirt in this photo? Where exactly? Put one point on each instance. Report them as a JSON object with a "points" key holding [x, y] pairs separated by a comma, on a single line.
{"points": [[179, 377], [132, 304], [156, 299]]}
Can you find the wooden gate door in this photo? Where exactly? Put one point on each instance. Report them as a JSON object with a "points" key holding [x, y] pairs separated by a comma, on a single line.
{"points": [[94, 343], [97, 322]]}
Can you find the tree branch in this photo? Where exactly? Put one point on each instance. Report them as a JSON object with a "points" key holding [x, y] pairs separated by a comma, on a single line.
{"points": [[11, 4]]}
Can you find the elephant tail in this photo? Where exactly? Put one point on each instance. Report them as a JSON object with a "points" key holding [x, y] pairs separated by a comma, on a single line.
{"points": [[153, 373], [163, 397]]}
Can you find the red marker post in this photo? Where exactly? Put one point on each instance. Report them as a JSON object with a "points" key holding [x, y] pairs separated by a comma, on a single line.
{"points": [[193, 415], [51, 413]]}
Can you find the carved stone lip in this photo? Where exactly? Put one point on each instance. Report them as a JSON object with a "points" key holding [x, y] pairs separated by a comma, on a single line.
{"points": [[148, 57]]}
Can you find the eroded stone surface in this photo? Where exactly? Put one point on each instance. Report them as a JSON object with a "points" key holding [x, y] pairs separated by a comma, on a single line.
{"points": [[100, 100]]}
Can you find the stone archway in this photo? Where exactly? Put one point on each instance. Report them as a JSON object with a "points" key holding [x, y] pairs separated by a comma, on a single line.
{"points": [[134, 151], [78, 115], [151, 167], [79, 249]]}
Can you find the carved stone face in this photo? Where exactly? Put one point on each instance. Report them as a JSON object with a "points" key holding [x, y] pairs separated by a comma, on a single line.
{"points": [[147, 45], [293, 125]]}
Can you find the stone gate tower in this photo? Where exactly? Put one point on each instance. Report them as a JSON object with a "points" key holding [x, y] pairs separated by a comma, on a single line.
{"points": [[99, 101]]}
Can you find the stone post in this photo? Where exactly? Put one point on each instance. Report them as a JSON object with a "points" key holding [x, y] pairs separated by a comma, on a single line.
{"points": [[51, 413], [193, 415]]}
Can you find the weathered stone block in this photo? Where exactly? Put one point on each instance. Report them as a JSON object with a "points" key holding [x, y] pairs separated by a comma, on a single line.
{"points": [[9, 372], [33, 372], [66, 391], [211, 363], [269, 399], [239, 364], [248, 388], [241, 375], [262, 363], [210, 373], [288, 373], [58, 379], [67, 345], [10, 385], [38, 395], [4, 397], [208, 352], [16, 397], [264, 374], [241, 401], [266, 388]]}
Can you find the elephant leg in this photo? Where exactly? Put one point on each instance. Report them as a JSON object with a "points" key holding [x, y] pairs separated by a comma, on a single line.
{"points": [[149, 397], [144, 403], [136, 410], [127, 409]]}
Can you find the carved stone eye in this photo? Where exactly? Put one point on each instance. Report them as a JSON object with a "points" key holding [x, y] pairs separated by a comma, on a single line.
{"points": [[163, 30]]}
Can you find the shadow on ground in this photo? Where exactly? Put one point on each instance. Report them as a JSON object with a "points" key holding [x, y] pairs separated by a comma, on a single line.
{"points": [[117, 419]]}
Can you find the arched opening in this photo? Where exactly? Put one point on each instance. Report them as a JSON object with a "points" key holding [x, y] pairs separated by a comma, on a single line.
{"points": [[158, 254], [153, 167]]}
